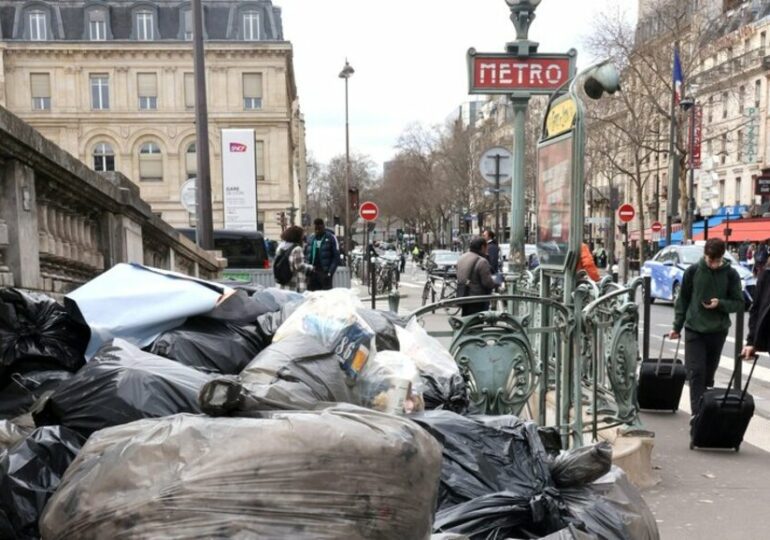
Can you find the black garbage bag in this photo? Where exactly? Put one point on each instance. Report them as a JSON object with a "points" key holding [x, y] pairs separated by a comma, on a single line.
{"points": [[295, 373], [581, 466], [11, 433], [384, 329], [210, 345], [611, 508], [445, 392], [30, 473], [501, 515], [121, 384], [273, 299], [23, 390], [238, 308], [268, 324], [38, 333], [487, 454]]}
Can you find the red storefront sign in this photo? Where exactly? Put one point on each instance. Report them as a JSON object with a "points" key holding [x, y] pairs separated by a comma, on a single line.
{"points": [[492, 73], [696, 137]]}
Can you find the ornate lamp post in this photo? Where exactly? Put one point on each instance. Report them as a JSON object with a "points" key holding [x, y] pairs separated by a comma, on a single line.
{"points": [[522, 15], [346, 73]]}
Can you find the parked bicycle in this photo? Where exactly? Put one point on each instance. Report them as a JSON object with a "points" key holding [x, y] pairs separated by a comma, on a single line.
{"points": [[440, 287]]}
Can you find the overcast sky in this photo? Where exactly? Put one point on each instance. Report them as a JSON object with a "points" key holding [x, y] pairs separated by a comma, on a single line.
{"points": [[410, 60]]}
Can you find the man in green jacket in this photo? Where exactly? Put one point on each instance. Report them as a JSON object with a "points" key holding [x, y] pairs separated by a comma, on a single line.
{"points": [[711, 290]]}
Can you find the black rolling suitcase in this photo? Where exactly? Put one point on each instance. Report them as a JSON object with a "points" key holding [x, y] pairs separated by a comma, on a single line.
{"points": [[724, 415], [661, 381]]}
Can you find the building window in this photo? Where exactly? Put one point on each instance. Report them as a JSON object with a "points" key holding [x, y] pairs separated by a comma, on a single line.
{"points": [[741, 99], [723, 150], [711, 109], [250, 25], [97, 26], [38, 25], [722, 192], [739, 150], [150, 163], [757, 92], [189, 91], [147, 86], [40, 86], [762, 39], [259, 150], [145, 26], [100, 92], [104, 157], [724, 105], [738, 190], [188, 25], [252, 91], [191, 161]]}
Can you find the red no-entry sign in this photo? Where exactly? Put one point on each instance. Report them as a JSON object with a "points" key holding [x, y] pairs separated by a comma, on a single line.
{"points": [[656, 227], [626, 213], [368, 211]]}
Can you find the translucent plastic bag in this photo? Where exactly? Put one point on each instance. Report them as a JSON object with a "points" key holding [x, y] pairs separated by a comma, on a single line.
{"points": [[391, 383], [444, 387], [332, 317], [343, 472]]}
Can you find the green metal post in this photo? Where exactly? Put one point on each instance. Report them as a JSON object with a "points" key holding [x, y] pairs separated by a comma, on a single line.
{"points": [[518, 184]]}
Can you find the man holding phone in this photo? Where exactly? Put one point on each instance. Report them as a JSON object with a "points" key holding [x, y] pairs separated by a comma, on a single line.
{"points": [[711, 290]]}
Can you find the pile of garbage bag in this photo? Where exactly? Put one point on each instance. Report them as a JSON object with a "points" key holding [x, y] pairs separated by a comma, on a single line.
{"points": [[342, 472], [212, 412]]}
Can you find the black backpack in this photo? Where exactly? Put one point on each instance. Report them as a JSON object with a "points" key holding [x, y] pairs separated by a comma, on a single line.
{"points": [[282, 266]]}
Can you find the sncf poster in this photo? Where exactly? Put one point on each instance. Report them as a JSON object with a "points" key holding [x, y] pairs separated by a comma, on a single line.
{"points": [[239, 179]]}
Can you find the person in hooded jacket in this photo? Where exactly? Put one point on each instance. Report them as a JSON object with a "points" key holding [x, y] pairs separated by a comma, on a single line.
{"points": [[711, 290], [291, 239], [323, 253], [474, 276], [758, 338]]}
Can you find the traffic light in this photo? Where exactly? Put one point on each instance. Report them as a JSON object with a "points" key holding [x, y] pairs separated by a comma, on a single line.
{"points": [[353, 197], [336, 220], [603, 78], [280, 218]]}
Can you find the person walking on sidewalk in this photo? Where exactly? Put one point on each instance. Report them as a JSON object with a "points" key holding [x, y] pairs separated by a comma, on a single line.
{"points": [[474, 277], [586, 263], [758, 338], [292, 243], [711, 290], [493, 255], [323, 254]]}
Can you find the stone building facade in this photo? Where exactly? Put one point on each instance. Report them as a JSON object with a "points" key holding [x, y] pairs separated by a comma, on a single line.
{"points": [[112, 83]]}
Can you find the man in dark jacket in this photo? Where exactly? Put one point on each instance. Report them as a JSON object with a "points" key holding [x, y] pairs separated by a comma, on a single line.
{"points": [[474, 277], [758, 338], [711, 290], [493, 256], [323, 254]]}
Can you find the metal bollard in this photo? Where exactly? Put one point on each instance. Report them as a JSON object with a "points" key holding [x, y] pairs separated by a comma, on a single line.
{"points": [[393, 300]]}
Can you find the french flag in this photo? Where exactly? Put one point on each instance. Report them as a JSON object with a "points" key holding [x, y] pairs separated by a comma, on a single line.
{"points": [[678, 78]]}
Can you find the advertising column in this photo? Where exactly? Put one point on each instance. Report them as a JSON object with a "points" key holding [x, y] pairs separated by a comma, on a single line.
{"points": [[239, 179]]}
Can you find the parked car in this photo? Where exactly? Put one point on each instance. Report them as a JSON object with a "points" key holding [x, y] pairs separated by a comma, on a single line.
{"points": [[668, 266], [442, 262], [530, 252]]}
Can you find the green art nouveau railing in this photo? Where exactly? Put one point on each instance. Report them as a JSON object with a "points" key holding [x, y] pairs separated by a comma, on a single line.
{"points": [[530, 350]]}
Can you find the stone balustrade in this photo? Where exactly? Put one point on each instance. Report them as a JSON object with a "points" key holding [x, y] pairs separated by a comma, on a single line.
{"points": [[61, 223]]}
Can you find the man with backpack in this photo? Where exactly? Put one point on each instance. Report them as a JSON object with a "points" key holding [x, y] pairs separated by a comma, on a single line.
{"points": [[474, 276], [289, 266], [711, 290], [323, 254]]}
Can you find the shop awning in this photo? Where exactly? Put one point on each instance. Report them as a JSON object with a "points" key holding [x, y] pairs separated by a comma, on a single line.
{"points": [[741, 230]]}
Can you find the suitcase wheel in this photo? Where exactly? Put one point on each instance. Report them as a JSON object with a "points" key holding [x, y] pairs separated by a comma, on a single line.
{"points": [[738, 448], [692, 446]]}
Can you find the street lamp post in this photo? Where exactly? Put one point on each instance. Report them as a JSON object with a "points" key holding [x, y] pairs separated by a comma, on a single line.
{"points": [[522, 15], [346, 72], [688, 104]]}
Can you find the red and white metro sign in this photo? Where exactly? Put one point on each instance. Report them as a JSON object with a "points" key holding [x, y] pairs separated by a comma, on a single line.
{"points": [[503, 73]]}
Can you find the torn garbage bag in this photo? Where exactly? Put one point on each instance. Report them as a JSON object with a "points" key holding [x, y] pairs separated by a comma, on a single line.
{"points": [[581, 466], [332, 318], [30, 473], [136, 303], [236, 308], [612, 508], [122, 384], [342, 472], [269, 323], [210, 345], [444, 386], [37, 333], [296, 373], [23, 390]]}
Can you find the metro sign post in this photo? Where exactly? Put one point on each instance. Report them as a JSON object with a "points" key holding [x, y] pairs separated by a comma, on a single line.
{"points": [[520, 73]]}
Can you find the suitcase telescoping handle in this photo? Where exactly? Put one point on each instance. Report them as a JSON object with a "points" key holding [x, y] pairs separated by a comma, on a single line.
{"points": [[660, 354], [748, 380]]}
